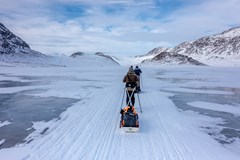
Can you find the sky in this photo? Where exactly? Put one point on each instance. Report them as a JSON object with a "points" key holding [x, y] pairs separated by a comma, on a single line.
{"points": [[115, 27]]}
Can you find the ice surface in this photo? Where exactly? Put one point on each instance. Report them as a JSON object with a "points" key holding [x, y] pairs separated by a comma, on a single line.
{"points": [[89, 129], [217, 107]]}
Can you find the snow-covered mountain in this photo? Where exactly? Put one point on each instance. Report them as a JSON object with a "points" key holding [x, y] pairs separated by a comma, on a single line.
{"points": [[224, 44], [13, 48], [220, 49], [155, 52], [163, 55], [147, 58], [172, 58]]}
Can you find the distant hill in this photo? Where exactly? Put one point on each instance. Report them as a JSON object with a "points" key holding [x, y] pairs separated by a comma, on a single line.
{"points": [[76, 54], [106, 56], [98, 54]]}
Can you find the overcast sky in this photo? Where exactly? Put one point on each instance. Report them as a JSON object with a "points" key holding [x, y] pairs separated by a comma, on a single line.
{"points": [[115, 27]]}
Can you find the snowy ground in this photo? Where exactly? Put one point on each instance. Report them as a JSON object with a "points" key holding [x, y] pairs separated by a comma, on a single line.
{"points": [[187, 112]]}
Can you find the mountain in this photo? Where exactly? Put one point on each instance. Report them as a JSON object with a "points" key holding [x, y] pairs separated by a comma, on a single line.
{"points": [[221, 49], [11, 44], [97, 59], [106, 56], [172, 58], [13, 48], [150, 55], [155, 52], [163, 55]]}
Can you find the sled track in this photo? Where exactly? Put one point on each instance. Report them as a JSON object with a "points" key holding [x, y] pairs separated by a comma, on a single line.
{"points": [[81, 131], [165, 139], [173, 148]]}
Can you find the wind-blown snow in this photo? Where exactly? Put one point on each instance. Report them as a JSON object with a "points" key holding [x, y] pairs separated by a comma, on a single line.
{"points": [[89, 129], [4, 123]]}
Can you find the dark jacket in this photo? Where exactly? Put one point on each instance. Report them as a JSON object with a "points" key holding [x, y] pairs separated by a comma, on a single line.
{"points": [[137, 71]]}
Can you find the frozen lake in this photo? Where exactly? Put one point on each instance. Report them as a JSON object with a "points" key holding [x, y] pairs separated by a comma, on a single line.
{"points": [[229, 130], [213, 87], [21, 109], [189, 113]]}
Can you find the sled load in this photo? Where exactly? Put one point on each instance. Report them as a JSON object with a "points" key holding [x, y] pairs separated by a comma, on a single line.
{"points": [[129, 119]]}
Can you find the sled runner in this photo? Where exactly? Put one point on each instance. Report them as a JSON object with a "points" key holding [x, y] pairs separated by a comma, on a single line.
{"points": [[130, 129]]}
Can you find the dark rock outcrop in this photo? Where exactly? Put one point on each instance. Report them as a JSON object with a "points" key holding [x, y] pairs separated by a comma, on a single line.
{"points": [[76, 54]]}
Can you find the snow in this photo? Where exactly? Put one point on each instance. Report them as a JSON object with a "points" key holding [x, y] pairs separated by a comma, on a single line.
{"points": [[230, 33], [217, 107], [218, 60], [4, 123], [125, 61], [89, 129], [2, 141]]}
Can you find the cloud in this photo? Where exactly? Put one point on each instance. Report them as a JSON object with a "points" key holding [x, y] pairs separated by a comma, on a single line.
{"points": [[208, 17], [115, 26]]}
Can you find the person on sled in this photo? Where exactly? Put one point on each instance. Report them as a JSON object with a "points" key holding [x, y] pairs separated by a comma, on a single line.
{"points": [[132, 82], [138, 72]]}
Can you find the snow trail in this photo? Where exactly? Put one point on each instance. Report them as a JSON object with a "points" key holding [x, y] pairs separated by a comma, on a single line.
{"points": [[86, 133]]}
